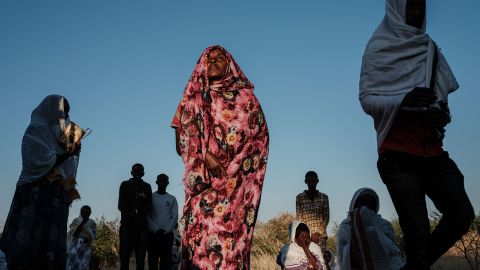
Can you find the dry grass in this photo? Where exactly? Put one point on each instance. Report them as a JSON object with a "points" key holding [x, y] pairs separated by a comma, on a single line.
{"points": [[269, 237]]}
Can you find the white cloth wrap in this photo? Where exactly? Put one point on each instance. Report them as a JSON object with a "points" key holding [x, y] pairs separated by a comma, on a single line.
{"points": [[378, 232], [40, 143], [89, 230], [293, 255], [398, 58]]}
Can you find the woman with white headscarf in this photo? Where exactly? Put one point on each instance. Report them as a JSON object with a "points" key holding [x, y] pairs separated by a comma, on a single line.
{"points": [[301, 253], [364, 239], [404, 86], [81, 234], [34, 235]]}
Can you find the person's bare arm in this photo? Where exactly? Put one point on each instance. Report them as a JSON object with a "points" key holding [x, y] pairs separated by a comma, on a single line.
{"points": [[214, 166], [177, 142]]}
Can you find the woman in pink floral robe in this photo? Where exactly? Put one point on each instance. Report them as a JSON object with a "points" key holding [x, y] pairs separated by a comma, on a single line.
{"points": [[222, 138]]}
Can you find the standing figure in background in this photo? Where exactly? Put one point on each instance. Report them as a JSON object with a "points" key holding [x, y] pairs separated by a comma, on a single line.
{"points": [[162, 222], [81, 235], [222, 137], [330, 260], [364, 239], [134, 203], [404, 85], [313, 209], [35, 235]]}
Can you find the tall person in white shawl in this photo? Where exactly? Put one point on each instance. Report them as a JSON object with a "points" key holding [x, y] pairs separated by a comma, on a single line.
{"points": [[404, 86], [293, 255], [397, 59], [379, 235]]}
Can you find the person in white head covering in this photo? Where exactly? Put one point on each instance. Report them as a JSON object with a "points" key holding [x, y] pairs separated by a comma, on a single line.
{"points": [[301, 253], [34, 235], [405, 81], [81, 234], [364, 239]]}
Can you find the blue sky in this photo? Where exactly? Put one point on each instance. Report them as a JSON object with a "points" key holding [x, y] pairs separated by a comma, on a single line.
{"points": [[123, 66]]}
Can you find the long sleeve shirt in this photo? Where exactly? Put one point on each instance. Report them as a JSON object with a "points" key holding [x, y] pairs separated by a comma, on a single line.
{"points": [[164, 213], [135, 202]]}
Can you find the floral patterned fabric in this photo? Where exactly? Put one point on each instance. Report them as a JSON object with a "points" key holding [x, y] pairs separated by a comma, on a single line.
{"points": [[220, 213], [79, 254]]}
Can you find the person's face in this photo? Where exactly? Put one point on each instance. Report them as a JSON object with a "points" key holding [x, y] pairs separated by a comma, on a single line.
{"points": [[217, 64], [137, 172], [328, 257], [415, 13], [367, 201], [162, 183], [304, 237], [311, 182], [85, 213]]}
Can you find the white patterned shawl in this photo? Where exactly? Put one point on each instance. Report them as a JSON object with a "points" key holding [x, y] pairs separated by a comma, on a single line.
{"points": [[41, 143], [398, 58], [378, 232], [88, 231]]}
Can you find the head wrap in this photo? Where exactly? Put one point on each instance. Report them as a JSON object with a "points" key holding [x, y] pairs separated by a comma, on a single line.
{"points": [[378, 232], [361, 192]]}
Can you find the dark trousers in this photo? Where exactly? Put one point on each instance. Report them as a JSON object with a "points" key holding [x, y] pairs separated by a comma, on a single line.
{"points": [[134, 239], [408, 179], [160, 247]]}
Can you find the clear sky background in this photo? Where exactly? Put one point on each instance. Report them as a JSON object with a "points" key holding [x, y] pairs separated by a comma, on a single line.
{"points": [[123, 66]]}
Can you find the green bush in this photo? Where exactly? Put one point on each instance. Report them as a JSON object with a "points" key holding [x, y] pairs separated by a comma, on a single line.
{"points": [[105, 248]]}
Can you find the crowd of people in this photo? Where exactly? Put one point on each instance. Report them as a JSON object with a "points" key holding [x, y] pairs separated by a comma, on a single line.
{"points": [[222, 138]]}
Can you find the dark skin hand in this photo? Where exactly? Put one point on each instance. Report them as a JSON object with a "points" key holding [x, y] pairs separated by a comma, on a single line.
{"points": [[438, 118], [303, 240], [419, 97], [214, 166], [75, 150]]}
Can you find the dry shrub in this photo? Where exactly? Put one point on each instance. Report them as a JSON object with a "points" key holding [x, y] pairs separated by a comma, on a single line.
{"points": [[268, 238]]}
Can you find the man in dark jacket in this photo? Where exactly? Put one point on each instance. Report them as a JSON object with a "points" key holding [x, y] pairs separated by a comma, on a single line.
{"points": [[134, 203]]}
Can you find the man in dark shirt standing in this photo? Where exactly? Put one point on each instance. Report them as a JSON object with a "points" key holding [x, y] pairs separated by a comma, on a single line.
{"points": [[134, 203]]}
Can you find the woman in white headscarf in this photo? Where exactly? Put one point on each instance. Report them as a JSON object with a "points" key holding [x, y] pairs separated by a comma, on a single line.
{"points": [[81, 234], [34, 235], [364, 239], [301, 253]]}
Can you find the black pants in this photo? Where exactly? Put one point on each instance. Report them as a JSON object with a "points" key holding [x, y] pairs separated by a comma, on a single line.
{"points": [[160, 246], [132, 239], [408, 179]]}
